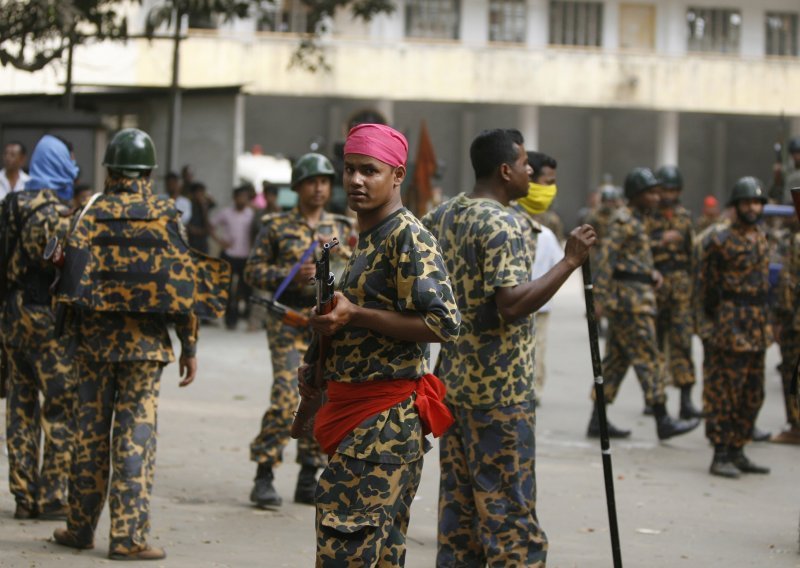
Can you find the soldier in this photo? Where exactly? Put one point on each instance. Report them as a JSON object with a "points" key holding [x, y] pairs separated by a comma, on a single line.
{"points": [[279, 253], [672, 239], [600, 217], [395, 298], [487, 490], [709, 215], [788, 319], [128, 272], [38, 361], [733, 286], [625, 291]]}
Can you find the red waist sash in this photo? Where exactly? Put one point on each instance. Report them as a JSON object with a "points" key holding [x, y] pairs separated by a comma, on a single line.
{"points": [[349, 404]]}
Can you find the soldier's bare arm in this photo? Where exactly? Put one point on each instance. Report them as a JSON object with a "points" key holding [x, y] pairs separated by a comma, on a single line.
{"points": [[520, 301]]}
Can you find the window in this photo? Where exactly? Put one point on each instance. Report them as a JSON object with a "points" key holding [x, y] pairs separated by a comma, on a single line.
{"points": [[576, 23], [781, 33], [199, 21], [714, 29], [285, 16], [507, 20], [432, 19]]}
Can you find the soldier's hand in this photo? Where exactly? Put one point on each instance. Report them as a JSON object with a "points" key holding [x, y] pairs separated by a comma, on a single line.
{"points": [[671, 236], [187, 370], [305, 274], [336, 319], [306, 390], [580, 240], [658, 279]]}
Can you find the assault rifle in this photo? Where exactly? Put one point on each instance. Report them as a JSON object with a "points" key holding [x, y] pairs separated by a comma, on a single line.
{"points": [[318, 351], [286, 314]]}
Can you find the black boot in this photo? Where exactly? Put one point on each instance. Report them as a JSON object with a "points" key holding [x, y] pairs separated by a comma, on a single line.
{"points": [[593, 431], [263, 493], [743, 463], [722, 465], [667, 427], [688, 409], [306, 485]]}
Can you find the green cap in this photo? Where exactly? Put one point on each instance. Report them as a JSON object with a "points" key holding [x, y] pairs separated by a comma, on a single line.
{"points": [[748, 188], [131, 149], [670, 177], [310, 165], [639, 180]]}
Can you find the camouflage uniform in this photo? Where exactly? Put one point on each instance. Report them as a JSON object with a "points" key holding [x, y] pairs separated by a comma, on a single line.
{"points": [[552, 221], [281, 242], [704, 222], [364, 495], [487, 490], [38, 363], [734, 278], [788, 318], [674, 320], [600, 219], [119, 361], [624, 289]]}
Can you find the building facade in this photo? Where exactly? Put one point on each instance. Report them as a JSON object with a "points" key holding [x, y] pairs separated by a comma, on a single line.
{"points": [[603, 86]]}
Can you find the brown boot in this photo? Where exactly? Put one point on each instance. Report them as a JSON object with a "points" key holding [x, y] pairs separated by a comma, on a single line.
{"points": [[66, 538], [790, 436], [146, 553]]}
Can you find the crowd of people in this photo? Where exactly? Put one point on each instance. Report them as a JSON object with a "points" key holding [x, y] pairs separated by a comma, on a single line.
{"points": [[91, 282]]}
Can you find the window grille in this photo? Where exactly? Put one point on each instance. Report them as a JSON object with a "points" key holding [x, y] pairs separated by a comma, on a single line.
{"points": [[507, 20], [435, 19], [781, 33], [714, 29], [576, 23]]}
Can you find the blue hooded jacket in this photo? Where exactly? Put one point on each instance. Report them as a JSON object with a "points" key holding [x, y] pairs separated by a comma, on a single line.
{"points": [[52, 168]]}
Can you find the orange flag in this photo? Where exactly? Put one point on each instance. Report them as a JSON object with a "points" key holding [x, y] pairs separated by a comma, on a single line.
{"points": [[424, 170]]}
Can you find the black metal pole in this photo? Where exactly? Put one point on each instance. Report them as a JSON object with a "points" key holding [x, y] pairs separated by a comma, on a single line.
{"points": [[600, 401]]}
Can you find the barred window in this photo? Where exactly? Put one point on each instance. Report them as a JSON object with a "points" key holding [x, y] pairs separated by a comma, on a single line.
{"points": [[436, 19], [285, 16], [781, 33], [576, 23], [714, 29], [507, 20]]}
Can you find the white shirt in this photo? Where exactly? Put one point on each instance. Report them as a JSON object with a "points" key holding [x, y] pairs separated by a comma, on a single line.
{"points": [[548, 254], [5, 185]]}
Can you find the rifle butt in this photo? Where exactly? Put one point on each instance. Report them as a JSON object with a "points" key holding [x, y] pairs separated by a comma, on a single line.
{"points": [[303, 424]]}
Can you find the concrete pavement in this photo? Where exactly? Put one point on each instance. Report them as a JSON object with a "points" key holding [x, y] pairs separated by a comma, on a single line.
{"points": [[671, 512]]}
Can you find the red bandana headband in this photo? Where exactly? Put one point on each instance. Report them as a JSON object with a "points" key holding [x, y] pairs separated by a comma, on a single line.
{"points": [[378, 141]]}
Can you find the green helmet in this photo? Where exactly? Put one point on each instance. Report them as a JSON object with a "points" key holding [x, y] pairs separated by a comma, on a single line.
{"points": [[311, 165], [131, 149], [639, 180], [670, 177], [610, 192], [794, 145], [748, 188]]}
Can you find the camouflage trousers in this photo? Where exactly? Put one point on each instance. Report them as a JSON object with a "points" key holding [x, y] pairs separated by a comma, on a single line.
{"points": [[487, 490], [733, 392], [790, 352], [287, 346], [363, 509], [116, 436], [46, 371], [632, 341], [674, 328]]}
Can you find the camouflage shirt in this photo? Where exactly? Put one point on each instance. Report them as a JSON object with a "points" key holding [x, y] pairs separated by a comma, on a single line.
{"points": [[674, 256], [734, 282], [395, 266], [28, 316], [789, 287], [281, 242], [491, 363], [625, 253], [120, 336]]}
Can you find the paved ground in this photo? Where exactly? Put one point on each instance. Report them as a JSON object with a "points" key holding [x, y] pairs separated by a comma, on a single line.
{"points": [[671, 512]]}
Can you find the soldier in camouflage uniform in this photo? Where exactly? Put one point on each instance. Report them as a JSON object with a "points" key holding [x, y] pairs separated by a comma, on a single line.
{"points": [[625, 284], [487, 490], [672, 238], [38, 360], [788, 317], [733, 286], [395, 298], [280, 245], [119, 359], [600, 217]]}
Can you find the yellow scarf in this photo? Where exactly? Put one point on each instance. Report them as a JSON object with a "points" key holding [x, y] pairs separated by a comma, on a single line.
{"points": [[539, 198]]}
